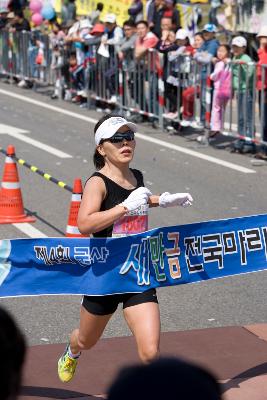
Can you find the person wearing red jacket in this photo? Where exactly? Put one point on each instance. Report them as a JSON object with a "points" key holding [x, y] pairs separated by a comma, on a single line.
{"points": [[262, 88]]}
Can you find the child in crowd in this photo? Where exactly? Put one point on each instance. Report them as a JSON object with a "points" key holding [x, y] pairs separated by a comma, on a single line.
{"points": [[262, 89], [221, 76], [191, 92], [76, 77], [242, 82]]}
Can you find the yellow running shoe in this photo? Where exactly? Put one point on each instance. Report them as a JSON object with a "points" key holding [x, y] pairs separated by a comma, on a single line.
{"points": [[66, 366]]}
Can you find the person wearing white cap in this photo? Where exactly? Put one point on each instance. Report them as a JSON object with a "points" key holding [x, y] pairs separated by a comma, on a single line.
{"points": [[177, 78], [262, 88], [112, 38], [242, 84], [3, 17], [115, 203]]}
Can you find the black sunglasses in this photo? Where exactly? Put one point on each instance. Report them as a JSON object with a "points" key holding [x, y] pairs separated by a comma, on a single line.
{"points": [[120, 137]]}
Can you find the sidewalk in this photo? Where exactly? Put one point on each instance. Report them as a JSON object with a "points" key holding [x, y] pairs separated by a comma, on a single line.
{"points": [[237, 355]]}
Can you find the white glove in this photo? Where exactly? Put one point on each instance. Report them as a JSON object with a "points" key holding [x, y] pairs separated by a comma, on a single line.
{"points": [[137, 198], [177, 199]]}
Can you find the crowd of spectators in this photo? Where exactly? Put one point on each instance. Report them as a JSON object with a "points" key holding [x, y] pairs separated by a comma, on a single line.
{"points": [[79, 42]]}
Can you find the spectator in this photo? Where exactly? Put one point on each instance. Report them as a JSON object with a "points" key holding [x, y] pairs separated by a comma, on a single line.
{"points": [[3, 18], [112, 37], [127, 44], [204, 55], [221, 76], [95, 15], [170, 11], [262, 89], [19, 22], [57, 37], [145, 40], [76, 77], [136, 11], [155, 14], [243, 77], [68, 12], [179, 61], [147, 63], [126, 56], [15, 5], [191, 92], [158, 380], [214, 6], [13, 349], [166, 25]]}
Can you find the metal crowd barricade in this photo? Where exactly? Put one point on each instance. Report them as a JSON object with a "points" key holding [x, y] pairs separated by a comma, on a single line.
{"points": [[25, 55], [241, 117], [150, 87]]}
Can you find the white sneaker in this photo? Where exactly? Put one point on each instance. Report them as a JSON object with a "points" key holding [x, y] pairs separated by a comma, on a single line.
{"points": [[170, 115], [113, 99], [22, 84], [185, 123], [82, 93], [68, 95], [197, 125]]}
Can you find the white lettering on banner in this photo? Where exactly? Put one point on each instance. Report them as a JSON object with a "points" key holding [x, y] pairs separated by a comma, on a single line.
{"points": [[213, 247], [85, 256], [207, 248]]}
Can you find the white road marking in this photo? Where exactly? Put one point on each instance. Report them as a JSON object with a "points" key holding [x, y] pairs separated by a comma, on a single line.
{"points": [[19, 134], [29, 230], [161, 143], [193, 153]]}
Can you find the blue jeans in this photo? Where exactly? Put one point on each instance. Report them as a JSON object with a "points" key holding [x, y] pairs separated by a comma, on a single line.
{"points": [[245, 112]]}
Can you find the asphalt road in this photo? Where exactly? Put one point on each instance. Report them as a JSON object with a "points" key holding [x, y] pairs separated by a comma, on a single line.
{"points": [[219, 192]]}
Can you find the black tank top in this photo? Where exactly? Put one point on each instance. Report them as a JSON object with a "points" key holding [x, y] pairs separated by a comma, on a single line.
{"points": [[115, 194]]}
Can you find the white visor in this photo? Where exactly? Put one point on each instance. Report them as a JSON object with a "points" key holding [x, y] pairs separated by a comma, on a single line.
{"points": [[109, 127]]}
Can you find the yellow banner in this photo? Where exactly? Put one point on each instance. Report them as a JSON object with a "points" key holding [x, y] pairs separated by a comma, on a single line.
{"points": [[118, 7]]}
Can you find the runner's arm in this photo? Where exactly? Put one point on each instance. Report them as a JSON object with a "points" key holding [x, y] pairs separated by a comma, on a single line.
{"points": [[90, 218]]}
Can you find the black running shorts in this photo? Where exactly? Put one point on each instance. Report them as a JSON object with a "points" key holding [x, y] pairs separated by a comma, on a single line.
{"points": [[104, 305]]}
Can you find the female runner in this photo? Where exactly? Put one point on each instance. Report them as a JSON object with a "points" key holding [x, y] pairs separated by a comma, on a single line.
{"points": [[111, 194]]}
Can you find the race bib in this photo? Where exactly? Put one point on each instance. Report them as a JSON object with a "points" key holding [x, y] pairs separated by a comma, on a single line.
{"points": [[133, 222]]}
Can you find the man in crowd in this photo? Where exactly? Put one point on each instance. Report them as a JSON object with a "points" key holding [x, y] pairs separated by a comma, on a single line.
{"points": [[145, 40], [127, 44], [126, 56], [170, 11], [165, 24], [3, 18], [19, 22], [146, 68], [154, 16], [205, 55]]}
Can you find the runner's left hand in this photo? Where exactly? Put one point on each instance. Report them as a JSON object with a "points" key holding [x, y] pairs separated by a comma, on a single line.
{"points": [[167, 199]]}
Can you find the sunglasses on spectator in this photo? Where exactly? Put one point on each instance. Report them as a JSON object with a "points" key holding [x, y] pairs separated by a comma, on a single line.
{"points": [[120, 137]]}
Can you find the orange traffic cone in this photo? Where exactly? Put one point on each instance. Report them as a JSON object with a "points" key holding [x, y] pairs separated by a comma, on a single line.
{"points": [[11, 203], [76, 197]]}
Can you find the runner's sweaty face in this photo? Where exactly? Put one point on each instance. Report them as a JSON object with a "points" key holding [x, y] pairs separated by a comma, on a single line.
{"points": [[118, 153]]}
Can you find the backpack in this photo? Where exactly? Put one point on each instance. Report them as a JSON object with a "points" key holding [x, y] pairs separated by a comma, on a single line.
{"points": [[224, 91]]}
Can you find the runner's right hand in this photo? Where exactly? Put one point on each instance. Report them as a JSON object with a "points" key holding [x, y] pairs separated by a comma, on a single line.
{"points": [[136, 199]]}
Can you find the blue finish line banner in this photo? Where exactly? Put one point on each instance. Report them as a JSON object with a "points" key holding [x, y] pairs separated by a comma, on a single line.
{"points": [[160, 257]]}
